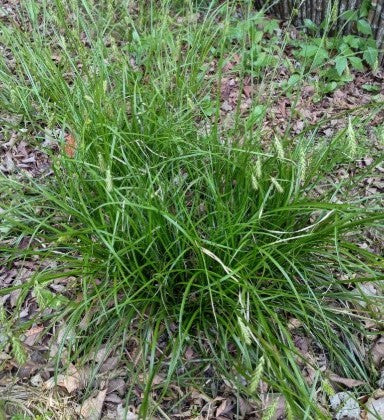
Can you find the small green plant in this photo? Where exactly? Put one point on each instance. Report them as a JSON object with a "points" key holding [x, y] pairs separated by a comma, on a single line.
{"points": [[333, 57], [8, 336], [256, 36], [346, 51]]}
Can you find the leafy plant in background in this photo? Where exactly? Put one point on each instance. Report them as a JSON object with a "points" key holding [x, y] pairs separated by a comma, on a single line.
{"points": [[334, 56], [346, 51], [259, 34]]}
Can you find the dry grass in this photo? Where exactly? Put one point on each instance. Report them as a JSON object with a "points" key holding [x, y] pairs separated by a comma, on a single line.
{"points": [[24, 401]]}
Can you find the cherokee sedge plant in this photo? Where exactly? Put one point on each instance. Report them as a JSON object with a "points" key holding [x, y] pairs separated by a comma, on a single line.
{"points": [[175, 234]]}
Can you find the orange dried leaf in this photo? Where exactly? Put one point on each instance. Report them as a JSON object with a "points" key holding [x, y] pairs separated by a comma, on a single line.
{"points": [[70, 145]]}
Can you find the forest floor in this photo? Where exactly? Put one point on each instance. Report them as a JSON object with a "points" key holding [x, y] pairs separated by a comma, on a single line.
{"points": [[287, 97]]}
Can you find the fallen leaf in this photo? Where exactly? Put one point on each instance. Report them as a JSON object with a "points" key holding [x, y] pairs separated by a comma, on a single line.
{"points": [[245, 407], [7, 165], [225, 408], [110, 364], [27, 370], [113, 398], [294, 323], [226, 106], [380, 382], [70, 145], [36, 380], [222, 408], [247, 90], [198, 397], [117, 385], [377, 351], [4, 356], [157, 379], [125, 413], [32, 334], [345, 406], [348, 382], [100, 356], [375, 409], [92, 407], [72, 380], [302, 344], [15, 294], [188, 353]]}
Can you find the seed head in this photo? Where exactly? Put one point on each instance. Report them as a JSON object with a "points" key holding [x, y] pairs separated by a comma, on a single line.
{"points": [[279, 148], [101, 162], [245, 331], [302, 164], [255, 184], [278, 187], [258, 168], [108, 180], [270, 411], [257, 375], [327, 388], [351, 137]]}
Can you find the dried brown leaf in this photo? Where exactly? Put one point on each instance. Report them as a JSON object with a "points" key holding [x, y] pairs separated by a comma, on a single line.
{"points": [[113, 398], [110, 364], [377, 351], [224, 408], [92, 407], [375, 409], [157, 379], [247, 90], [189, 353], [117, 385], [125, 413], [226, 106], [294, 323], [70, 145], [72, 380], [26, 370], [348, 382], [32, 334]]}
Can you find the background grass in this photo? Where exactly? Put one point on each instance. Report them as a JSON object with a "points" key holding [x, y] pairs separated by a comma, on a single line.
{"points": [[178, 232]]}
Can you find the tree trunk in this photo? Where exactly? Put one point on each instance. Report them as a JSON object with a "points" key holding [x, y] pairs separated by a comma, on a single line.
{"points": [[319, 10]]}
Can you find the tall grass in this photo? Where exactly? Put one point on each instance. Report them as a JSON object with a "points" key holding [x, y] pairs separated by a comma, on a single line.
{"points": [[176, 234]]}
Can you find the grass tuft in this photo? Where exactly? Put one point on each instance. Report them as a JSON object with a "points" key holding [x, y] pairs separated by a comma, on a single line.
{"points": [[213, 238]]}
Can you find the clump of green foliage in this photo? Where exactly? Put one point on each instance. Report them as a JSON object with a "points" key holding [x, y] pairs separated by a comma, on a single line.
{"points": [[175, 233], [332, 54]]}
